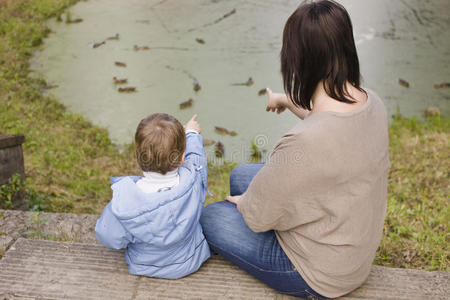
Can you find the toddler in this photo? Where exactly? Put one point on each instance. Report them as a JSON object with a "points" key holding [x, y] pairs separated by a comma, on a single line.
{"points": [[157, 216]]}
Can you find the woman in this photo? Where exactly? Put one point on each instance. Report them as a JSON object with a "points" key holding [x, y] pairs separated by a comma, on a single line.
{"points": [[309, 221]]}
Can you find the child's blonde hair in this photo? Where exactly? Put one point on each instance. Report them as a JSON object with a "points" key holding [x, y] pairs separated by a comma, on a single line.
{"points": [[160, 143]]}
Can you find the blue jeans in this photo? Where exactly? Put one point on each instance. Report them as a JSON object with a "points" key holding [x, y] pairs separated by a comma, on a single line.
{"points": [[259, 254]]}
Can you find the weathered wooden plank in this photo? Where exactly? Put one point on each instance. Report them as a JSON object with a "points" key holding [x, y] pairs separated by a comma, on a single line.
{"points": [[11, 163], [56, 270], [11, 140]]}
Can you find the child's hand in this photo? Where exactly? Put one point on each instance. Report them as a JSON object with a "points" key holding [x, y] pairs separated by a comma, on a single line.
{"points": [[277, 102], [192, 124]]}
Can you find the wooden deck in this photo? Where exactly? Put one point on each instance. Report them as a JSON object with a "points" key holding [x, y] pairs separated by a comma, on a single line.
{"points": [[39, 269]]}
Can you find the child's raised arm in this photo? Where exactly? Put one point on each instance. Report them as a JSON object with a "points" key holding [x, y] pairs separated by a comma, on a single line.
{"points": [[195, 150], [194, 141]]}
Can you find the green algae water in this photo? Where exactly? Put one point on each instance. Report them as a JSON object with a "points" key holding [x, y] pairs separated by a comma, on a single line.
{"points": [[169, 48]]}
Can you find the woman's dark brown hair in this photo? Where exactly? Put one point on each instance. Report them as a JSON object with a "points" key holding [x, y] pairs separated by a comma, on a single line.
{"points": [[160, 143], [318, 45]]}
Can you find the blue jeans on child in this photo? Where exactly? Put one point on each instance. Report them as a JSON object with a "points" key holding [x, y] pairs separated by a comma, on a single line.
{"points": [[259, 254]]}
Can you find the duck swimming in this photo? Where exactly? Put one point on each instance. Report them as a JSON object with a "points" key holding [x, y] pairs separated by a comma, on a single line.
{"points": [[444, 85], [249, 82], [140, 48], [219, 150], [186, 104], [197, 86], [403, 83], [96, 45], [232, 12], [120, 81], [200, 41], [221, 130], [128, 89], [207, 142], [120, 64], [262, 92]]}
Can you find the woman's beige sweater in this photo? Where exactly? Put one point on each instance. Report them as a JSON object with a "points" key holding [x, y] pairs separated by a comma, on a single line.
{"points": [[324, 192]]}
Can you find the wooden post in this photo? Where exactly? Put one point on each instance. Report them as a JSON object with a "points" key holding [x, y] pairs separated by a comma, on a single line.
{"points": [[11, 163]]}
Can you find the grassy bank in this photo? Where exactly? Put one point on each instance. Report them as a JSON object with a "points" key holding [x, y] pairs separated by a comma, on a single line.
{"points": [[68, 161], [416, 232]]}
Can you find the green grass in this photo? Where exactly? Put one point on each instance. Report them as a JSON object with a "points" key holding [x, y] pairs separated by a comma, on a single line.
{"points": [[218, 181], [68, 161], [416, 233]]}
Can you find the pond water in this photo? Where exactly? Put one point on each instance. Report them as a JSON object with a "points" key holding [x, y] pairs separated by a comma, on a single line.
{"points": [[406, 39]]}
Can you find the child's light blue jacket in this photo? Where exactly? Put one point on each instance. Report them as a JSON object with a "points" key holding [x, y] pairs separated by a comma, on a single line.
{"points": [[161, 230]]}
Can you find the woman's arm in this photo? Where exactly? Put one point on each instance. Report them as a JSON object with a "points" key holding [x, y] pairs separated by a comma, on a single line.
{"points": [[279, 102], [236, 200]]}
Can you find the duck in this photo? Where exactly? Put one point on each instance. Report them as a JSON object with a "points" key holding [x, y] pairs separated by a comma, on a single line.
{"points": [[96, 45], [120, 81], [128, 89], [249, 82], [229, 13], [444, 85], [120, 64], [219, 150], [208, 142], [138, 48], [197, 86], [221, 130], [403, 83], [186, 104], [262, 92], [200, 41]]}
